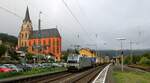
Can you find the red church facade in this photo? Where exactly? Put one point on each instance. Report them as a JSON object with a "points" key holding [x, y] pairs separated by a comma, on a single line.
{"points": [[42, 41], [49, 43]]}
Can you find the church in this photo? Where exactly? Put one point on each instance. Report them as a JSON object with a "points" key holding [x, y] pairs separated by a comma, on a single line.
{"points": [[42, 41]]}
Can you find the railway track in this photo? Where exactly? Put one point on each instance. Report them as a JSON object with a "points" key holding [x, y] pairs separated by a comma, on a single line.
{"points": [[35, 79], [85, 76], [88, 76]]}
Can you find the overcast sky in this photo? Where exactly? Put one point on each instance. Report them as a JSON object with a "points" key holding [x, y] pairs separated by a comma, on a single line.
{"points": [[109, 19]]}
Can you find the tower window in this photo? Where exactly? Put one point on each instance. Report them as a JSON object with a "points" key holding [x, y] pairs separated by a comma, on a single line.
{"points": [[27, 26], [25, 44], [22, 43], [21, 35], [26, 35]]}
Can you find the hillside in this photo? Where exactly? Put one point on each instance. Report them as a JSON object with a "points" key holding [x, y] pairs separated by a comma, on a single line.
{"points": [[8, 39]]}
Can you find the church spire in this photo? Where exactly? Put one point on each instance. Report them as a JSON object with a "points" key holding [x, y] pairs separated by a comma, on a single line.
{"points": [[27, 16]]}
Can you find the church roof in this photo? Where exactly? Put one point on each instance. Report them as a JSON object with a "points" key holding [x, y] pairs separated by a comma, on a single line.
{"points": [[45, 33], [27, 16]]}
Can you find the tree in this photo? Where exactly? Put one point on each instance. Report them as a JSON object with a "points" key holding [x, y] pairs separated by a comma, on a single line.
{"points": [[127, 60], [12, 53], [146, 55], [136, 59], [65, 57], [9, 39], [3, 49], [29, 56]]}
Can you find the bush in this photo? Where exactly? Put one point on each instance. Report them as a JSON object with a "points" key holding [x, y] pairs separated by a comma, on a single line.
{"points": [[127, 60], [144, 61], [9, 74], [136, 59], [3, 49], [146, 55], [29, 56]]}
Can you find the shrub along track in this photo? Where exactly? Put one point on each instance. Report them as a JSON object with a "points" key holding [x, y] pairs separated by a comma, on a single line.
{"points": [[140, 67]]}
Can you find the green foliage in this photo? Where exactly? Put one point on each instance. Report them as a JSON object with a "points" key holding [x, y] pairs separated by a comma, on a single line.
{"points": [[3, 49], [13, 54], [51, 60], [136, 59], [127, 60], [29, 56], [32, 72], [65, 55], [9, 74], [144, 61], [146, 55]]}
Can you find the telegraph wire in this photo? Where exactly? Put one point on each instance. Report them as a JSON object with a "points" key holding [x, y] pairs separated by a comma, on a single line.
{"points": [[61, 30], [61, 25], [11, 12], [75, 17]]}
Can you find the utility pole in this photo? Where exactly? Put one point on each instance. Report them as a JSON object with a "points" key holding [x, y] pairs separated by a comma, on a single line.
{"points": [[131, 50], [121, 39], [39, 34], [96, 45], [131, 57]]}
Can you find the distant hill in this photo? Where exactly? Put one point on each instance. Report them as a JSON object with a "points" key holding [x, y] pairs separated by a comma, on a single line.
{"points": [[112, 53], [8, 39]]}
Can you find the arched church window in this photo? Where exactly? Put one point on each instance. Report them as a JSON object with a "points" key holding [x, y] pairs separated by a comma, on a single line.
{"points": [[21, 35], [22, 43], [28, 26], [26, 35], [25, 44]]}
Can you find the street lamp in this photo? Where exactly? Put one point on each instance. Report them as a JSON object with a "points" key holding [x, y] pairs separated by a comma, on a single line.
{"points": [[121, 39]]}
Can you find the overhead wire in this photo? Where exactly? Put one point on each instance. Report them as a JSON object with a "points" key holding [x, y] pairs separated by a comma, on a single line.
{"points": [[73, 15], [11, 12]]}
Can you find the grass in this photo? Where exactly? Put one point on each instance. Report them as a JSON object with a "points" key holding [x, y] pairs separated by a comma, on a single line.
{"points": [[32, 72], [131, 77]]}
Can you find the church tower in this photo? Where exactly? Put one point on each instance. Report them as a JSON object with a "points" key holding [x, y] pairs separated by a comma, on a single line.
{"points": [[25, 31]]}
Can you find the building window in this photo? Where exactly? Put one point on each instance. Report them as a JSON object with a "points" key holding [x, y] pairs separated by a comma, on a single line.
{"points": [[44, 42], [39, 42], [53, 49], [32, 48], [34, 43], [49, 43], [53, 42], [57, 42], [29, 43], [57, 49]]}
